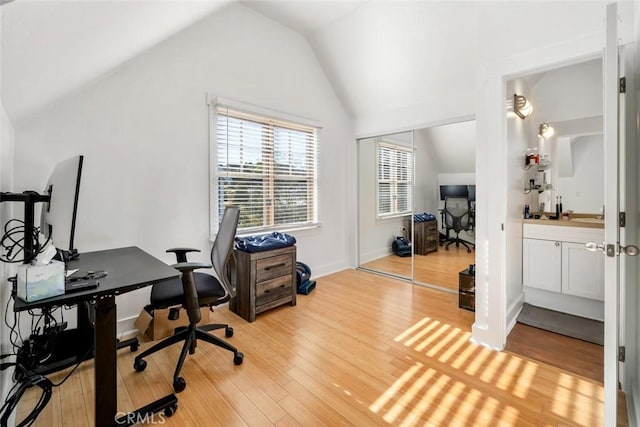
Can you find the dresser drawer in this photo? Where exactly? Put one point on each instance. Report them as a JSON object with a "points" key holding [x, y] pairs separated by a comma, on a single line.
{"points": [[272, 267], [467, 300], [273, 289]]}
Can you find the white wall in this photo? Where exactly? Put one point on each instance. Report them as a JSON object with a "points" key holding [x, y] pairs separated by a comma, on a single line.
{"points": [[144, 132], [426, 174], [6, 213], [567, 93]]}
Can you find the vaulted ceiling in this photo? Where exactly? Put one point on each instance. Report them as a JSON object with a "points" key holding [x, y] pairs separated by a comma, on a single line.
{"points": [[378, 55]]}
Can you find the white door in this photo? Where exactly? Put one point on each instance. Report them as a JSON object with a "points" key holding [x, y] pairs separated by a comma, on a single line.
{"points": [[612, 230], [616, 186]]}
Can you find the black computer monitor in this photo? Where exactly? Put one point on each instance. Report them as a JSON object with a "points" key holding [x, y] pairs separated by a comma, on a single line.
{"points": [[472, 193], [453, 191], [58, 217]]}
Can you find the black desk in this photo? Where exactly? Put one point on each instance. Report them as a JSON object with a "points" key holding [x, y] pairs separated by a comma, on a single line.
{"points": [[127, 269]]}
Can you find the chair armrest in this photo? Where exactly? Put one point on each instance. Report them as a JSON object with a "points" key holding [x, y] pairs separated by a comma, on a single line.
{"points": [[181, 253], [190, 266]]}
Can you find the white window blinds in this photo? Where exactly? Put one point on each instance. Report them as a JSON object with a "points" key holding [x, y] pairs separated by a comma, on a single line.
{"points": [[268, 168], [394, 179]]}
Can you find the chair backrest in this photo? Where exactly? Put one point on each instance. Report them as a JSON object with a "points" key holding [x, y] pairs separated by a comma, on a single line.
{"points": [[457, 213], [222, 249]]}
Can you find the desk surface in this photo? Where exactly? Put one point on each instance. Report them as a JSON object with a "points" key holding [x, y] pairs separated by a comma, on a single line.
{"points": [[127, 269]]}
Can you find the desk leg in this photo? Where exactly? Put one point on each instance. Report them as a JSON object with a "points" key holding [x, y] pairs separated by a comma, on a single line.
{"points": [[106, 391]]}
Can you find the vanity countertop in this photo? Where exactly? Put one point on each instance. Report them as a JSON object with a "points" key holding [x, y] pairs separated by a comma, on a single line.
{"points": [[588, 222]]}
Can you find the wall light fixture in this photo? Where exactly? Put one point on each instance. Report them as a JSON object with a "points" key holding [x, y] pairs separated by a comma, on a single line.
{"points": [[521, 106], [546, 130]]}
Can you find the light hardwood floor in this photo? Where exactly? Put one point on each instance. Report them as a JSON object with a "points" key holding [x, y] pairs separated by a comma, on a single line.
{"points": [[360, 350], [580, 357], [439, 268]]}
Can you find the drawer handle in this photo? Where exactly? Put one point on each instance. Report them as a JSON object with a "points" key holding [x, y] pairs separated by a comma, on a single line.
{"points": [[266, 291], [271, 267]]}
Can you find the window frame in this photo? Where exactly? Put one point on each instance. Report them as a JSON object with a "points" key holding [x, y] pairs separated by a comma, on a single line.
{"points": [[395, 170], [273, 119]]}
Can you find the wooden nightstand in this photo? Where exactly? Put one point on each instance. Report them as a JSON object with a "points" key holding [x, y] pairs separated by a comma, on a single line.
{"points": [[467, 290], [426, 237], [265, 280]]}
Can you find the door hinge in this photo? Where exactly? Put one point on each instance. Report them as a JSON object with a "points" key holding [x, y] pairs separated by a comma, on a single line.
{"points": [[622, 219], [622, 353], [623, 84]]}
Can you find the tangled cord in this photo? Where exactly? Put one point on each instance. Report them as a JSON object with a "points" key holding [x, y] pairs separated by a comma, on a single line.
{"points": [[16, 392], [23, 377], [12, 241]]}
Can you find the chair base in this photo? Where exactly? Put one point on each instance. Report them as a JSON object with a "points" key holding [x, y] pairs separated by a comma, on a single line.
{"points": [[458, 242], [190, 335]]}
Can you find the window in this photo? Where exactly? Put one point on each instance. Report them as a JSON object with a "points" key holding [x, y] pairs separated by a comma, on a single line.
{"points": [[395, 172], [267, 167]]}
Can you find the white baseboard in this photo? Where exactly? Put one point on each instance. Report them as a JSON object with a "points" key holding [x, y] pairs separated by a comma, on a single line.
{"points": [[370, 256], [325, 270], [125, 327], [512, 313], [583, 307]]}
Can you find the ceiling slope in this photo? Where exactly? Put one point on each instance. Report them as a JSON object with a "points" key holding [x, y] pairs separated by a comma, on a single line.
{"points": [[51, 48]]}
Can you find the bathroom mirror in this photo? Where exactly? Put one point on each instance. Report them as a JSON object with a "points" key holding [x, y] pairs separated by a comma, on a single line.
{"points": [[577, 171]]}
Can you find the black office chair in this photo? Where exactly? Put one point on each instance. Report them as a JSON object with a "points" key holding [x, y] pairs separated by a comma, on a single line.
{"points": [[196, 290], [457, 217]]}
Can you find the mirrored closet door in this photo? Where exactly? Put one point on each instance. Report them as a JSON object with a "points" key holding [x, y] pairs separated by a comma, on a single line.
{"points": [[385, 204], [404, 180]]}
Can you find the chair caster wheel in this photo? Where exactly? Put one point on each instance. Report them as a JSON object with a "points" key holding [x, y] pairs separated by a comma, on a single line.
{"points": [[469, 250], [446, 248], [140, 365], [134, 347], [170, 410], [228, 332], [179, 384], [238, 358]]}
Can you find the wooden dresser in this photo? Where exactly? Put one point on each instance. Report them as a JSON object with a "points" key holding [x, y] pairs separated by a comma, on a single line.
{"points": [[265, 280], [426, 237]]}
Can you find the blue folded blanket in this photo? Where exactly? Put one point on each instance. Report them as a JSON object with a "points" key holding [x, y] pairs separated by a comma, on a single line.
{"points": [[423, 217], [264, 242]]}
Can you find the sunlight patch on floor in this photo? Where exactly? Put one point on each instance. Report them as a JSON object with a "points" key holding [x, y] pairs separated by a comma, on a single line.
{"points": [[424, 393]]}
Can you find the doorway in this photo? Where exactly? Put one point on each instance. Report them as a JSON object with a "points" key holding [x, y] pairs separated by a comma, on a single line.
{"points": [[566, 180]]}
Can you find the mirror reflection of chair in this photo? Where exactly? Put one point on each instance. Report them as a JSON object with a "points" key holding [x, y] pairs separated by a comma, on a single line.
{"points": [[195, 290], [457, 217]]}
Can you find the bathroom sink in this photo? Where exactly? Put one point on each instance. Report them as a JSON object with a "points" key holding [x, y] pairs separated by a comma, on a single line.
{"points": [[589, 220]]}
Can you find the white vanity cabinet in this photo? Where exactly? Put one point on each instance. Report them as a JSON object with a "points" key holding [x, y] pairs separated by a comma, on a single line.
{"points": [[542, 264], [555, 259]]}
